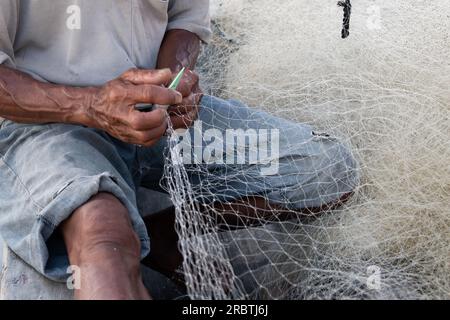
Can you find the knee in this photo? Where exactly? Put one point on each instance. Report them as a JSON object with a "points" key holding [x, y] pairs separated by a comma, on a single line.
{"points": [[343, 175], [103, 222], [340, 164]]}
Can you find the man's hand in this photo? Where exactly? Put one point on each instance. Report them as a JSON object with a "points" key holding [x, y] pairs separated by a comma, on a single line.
{"points": [[184, 114], [112, 107]]}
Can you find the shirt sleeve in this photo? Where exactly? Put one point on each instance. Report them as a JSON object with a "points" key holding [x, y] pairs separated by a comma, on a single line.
{"points": [[9, 12], [191, 15]]}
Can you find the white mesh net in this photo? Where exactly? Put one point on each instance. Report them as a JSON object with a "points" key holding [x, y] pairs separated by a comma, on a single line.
{"points": [[385, 91]]}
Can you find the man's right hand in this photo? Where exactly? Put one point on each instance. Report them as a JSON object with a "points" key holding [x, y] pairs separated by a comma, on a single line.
{"points": [[112, 106]]}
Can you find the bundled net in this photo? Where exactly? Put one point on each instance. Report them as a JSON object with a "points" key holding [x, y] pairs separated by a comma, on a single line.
{"points": [[385, 93]]}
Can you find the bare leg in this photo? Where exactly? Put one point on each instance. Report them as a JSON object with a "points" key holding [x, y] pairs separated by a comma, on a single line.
{"points": [[165, 256], [100, 240], [256, 211]]}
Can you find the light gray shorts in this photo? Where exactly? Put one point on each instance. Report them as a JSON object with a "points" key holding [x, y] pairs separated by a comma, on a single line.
{"points": [[48, 171]]}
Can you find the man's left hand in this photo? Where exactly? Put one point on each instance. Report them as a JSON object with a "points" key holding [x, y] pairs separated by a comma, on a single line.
{"points": [[184, 114]]}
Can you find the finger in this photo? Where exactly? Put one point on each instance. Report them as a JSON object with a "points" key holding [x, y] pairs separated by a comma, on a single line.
{"points": [[150, 137], [180, 109], [183, 121], [188, 82], [187, 105], [147, 76], [141, 121], [153, 94]]}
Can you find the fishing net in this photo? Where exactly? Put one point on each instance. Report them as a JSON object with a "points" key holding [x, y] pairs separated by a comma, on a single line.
{"points": [[385, 92]]}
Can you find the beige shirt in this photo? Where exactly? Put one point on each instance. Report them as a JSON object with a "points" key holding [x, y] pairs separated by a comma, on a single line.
{"points": [[89, 42]]}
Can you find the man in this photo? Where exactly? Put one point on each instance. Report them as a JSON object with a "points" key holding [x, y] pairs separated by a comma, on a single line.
{"points": [[74, 149]]}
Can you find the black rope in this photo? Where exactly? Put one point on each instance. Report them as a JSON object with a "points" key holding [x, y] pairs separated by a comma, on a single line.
{"points": [[347, 12]]}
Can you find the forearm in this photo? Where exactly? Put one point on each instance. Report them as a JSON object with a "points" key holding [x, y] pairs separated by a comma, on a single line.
{"points": [[26, 100], [180, 48]]}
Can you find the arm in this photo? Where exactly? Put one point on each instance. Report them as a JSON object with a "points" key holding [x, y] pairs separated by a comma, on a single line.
{"points": [[180, 48], [109, 107], [188, 25], [25, 100]]}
